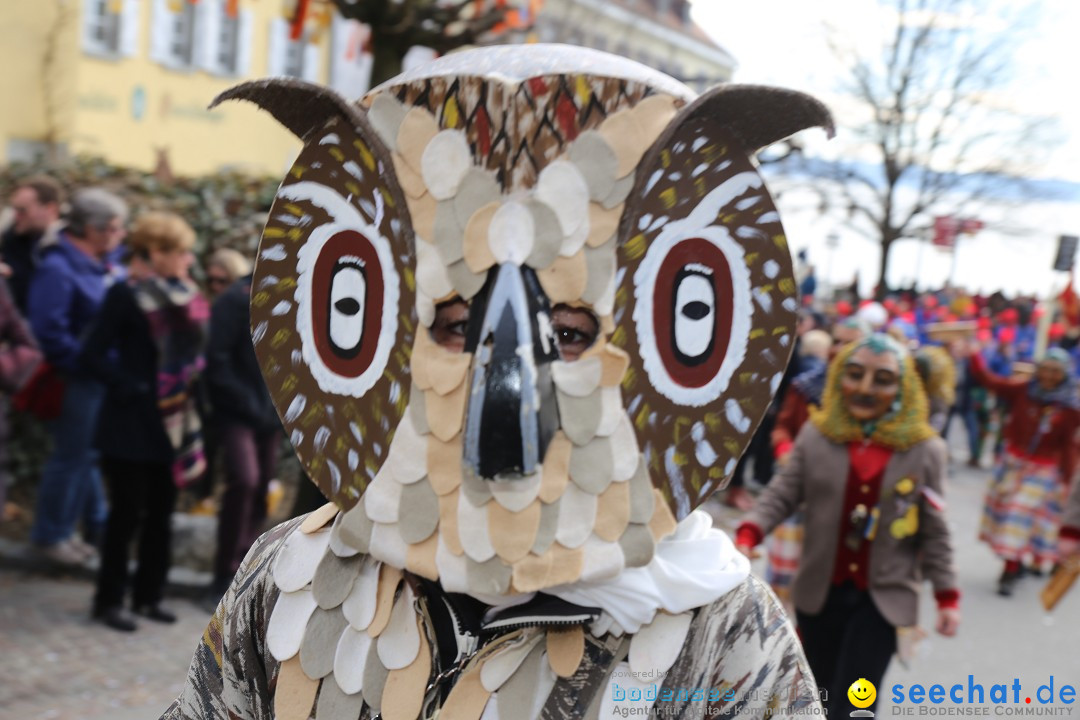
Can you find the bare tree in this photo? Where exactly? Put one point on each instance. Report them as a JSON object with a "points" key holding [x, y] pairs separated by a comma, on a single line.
{"points": [[938, 135], [397, 25]]}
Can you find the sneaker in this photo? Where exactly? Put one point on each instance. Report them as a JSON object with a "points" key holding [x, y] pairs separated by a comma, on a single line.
{"points": [[116, 618], [85, 549], [61, 553], [156, 613]]}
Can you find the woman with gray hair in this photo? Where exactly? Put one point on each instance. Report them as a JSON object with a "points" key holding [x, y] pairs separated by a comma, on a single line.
{"points": [[65, 294]]}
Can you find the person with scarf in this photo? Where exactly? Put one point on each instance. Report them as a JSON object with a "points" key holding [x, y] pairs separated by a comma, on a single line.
{"points": [[1027, 490], [868, 470], [513, 531], [146, 347]]}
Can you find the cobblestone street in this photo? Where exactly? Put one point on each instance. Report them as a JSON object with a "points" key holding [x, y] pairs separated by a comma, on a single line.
{"points": [[57, 664]]}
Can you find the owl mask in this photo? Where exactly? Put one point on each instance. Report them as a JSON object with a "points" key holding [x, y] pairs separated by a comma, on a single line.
{"points": [[520, 186]]}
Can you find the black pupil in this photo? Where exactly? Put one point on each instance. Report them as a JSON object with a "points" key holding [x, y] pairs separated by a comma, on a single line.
{"points": [[347, 306], [695, 310]]}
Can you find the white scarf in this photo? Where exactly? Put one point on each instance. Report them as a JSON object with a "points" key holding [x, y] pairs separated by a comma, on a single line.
{"points": [[692, 567]]}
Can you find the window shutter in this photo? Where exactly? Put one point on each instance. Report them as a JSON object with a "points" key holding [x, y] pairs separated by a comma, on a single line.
{"points": [[207, 35], [130, 28], [279, 39], [243, 42], [160, 31], [312, 62], [89, 43], [350, 68]]}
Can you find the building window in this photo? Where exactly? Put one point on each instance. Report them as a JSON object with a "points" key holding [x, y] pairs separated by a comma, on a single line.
{"points": [[175, 33], [181, 47], [102, 27], [110, 28], [227, 53], [293, 58], [201, 35]]}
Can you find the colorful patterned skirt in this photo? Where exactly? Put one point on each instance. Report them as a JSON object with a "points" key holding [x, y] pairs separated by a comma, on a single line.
{"points": [[1023, 509]]}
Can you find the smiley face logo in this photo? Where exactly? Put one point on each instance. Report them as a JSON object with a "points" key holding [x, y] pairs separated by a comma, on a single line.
{"points": [[862, 693]]}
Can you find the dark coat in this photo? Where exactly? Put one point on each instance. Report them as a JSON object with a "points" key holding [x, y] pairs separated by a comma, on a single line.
{"points": [[234, 382], [120, 352]]}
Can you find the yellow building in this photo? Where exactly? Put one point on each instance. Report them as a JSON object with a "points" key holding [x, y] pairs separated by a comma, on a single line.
{"points": [[129, 80]]}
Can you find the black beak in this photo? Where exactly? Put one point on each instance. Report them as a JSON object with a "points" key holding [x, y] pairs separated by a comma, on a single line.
{"points": [[512, 412]]}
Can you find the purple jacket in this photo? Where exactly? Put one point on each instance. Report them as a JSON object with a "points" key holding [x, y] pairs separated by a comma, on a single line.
{"points": [[65, 296]]}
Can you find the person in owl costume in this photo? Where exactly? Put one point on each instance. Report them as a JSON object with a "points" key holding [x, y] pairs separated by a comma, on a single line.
{"points": [[520, 311]]}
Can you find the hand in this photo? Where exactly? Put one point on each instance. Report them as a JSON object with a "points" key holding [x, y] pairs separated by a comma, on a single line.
{"points": [[5, 270], [748, 550], [948, 621], [1067, 549]]}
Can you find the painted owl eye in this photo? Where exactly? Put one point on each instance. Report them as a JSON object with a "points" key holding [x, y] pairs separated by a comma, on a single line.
{"points": [[691, 312], [346, 289]]}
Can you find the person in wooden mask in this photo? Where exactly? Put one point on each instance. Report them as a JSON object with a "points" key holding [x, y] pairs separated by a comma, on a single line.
{"points": [[520, 311], [869, 471]]}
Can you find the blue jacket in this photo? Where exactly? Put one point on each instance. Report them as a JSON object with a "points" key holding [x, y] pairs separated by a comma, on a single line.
{"points": [[65, 294]]}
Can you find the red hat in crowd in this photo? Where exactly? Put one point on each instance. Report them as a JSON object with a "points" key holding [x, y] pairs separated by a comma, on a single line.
{"points": [[843, 308], [1009, 316], [1007, 334]]}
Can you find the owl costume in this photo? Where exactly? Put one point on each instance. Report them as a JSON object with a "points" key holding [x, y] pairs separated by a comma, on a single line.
{"points": [[512, 534]]}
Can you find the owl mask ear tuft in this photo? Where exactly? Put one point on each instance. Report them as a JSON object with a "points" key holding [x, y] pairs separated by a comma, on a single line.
{"points": [[758, 115], [708, 294], [300, 106], [333, 291]]}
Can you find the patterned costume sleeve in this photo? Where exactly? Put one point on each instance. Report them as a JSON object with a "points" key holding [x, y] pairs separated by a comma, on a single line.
{"points": [[743, 655], [232, 674]]}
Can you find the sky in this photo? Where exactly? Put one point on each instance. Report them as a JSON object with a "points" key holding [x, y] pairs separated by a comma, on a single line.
{"points": [[783, 42]]}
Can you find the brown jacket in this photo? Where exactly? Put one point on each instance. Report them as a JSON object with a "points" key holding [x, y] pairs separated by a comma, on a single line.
{"points": [[816, 474]]}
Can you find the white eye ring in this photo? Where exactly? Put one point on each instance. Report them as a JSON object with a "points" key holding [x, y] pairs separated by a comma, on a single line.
{"points": [[344, 218], [686, 338]]}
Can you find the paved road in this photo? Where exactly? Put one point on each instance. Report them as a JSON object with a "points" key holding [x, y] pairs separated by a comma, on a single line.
{"points": [[56, 664]]}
